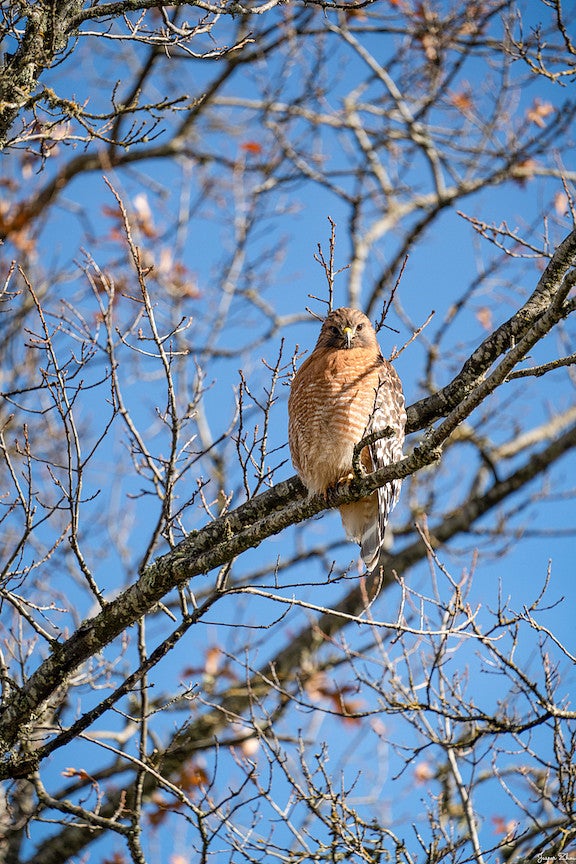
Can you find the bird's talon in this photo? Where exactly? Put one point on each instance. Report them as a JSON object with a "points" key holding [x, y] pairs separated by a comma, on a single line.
{"points": [[344, 481]]}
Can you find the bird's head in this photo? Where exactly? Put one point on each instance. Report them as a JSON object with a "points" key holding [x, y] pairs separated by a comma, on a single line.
{"points": [[347, 328]]}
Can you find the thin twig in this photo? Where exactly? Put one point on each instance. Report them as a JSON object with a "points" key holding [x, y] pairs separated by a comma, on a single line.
{"points": [[367, 441], [328, 267], [538, 371], [397, 351], [378, 326]]}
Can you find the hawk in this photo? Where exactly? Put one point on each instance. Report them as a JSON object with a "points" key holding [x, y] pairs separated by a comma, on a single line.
{"points": [[344, 391]]}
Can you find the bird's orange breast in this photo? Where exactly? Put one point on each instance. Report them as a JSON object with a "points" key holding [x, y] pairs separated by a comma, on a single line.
{"points": [[331, 401]]}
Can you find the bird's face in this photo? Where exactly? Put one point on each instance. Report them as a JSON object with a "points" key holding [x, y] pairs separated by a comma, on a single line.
{"points": [[347, 328]]}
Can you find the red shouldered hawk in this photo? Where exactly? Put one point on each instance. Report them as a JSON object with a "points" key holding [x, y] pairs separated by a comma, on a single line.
{"points": [[341, 393]]}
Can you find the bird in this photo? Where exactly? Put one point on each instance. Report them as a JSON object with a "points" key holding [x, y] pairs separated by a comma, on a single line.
{"points": [[341, 393]]}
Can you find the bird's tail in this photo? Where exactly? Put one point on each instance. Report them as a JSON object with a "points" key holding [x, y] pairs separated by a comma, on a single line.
{"points": [[371, 543], [372, 537]]}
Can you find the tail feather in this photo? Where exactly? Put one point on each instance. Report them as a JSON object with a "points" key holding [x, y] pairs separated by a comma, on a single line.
{"points": [[365, 522], [372, 540], [371, 545]]}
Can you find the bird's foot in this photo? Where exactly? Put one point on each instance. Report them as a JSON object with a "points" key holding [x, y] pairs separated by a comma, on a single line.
{"points": [[344, 481]]}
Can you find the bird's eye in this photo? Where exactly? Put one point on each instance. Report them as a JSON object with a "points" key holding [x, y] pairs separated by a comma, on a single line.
{"points": [[359, 327], [335, 330]]}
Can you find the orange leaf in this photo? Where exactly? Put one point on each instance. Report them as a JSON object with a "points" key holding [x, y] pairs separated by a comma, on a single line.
{"points": [[77, 772], [157, 816], [212, 660], [524, 170], [462, 101], [501, 826], [539, 111], [355, 12], [484, 316], [561, 203], [315, 686], [251, 147], [423, 772], [191, 776], [112, 212]]}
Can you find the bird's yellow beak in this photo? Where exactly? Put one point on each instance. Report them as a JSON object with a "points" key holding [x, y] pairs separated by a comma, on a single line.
{"points": [[349, 334]]}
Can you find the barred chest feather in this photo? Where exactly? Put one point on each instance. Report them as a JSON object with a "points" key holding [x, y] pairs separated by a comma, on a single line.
{"points": [[329, 411]]}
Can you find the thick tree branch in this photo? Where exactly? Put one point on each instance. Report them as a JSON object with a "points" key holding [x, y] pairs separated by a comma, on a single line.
{"points": [[440, 404]]}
